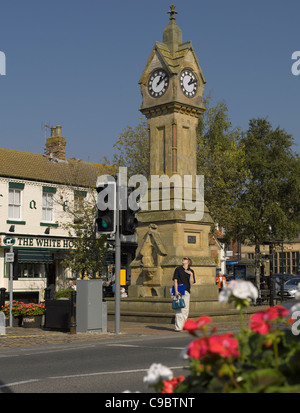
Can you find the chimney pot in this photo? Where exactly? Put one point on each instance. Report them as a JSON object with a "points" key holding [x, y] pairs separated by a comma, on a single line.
{"points": [[58, 130]]}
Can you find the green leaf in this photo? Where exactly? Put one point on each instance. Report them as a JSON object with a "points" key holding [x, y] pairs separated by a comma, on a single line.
{"points": [[258, 381]]}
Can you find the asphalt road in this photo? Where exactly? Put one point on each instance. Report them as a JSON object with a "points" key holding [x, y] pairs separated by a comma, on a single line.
{"points": [[106, 366]]}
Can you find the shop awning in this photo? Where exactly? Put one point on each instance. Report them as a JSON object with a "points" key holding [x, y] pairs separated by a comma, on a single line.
{"points": [[231, 262], [36, 257]]}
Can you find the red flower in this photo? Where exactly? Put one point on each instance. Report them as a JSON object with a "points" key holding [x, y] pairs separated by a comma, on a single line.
{"points": [[170, 385], [198, 348], [223, 345], [202, 321], [191, 325], [281, 311], [261, 321]]}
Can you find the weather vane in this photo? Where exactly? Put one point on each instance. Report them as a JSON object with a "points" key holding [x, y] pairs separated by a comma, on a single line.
{"points": [[172, 12]]}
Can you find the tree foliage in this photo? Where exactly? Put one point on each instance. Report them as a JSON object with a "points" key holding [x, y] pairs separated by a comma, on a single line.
{"points": [[132, 149], [268, 207], [88, 254], [220, 158], [251, 179]]}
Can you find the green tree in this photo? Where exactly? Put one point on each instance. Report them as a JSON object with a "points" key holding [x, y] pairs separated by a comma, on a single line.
{"points": [[251, 180], [268, 207], [132, 149], [220, 158], [88, 254]]}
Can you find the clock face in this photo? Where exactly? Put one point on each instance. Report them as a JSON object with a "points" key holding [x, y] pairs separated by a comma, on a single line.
{"points": [[188, 83], [158, 83]]}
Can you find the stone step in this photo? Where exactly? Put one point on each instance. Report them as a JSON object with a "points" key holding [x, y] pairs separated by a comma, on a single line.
{"points": [[223, 315]]}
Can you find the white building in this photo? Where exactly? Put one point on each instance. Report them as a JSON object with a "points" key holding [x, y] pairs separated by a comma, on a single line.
{"points": [[35, 191]]}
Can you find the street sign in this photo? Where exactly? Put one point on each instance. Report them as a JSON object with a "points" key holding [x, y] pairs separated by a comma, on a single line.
{"points": [[9, 241], [9, 257]]}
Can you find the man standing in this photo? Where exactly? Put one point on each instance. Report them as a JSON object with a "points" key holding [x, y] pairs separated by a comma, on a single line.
{"points": [[186, 276]]}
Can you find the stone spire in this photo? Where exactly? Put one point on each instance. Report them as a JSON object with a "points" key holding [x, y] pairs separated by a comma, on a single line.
{"points": [[172, 35]]}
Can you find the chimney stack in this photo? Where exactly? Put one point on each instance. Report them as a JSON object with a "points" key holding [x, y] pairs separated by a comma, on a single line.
{"points": [[56, 144]]}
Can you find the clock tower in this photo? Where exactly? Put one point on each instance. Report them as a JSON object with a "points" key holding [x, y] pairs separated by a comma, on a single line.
{"points": [[172, 85]]}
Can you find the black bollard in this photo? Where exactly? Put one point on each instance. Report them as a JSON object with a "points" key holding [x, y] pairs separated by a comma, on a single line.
{"points": [[272, 288], [2, 297], [47, 293], [282, 287], [73, 313]]}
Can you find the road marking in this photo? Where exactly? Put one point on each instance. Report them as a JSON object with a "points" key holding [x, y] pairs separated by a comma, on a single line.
{"points": [[33, 351], [18, 383], [135, 345], [123, 345], [103, 373]]}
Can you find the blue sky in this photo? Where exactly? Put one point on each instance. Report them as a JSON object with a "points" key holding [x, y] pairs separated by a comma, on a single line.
{"points": [[77, 63]]}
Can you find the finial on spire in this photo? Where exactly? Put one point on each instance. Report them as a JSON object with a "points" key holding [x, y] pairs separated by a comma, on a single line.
{"points": [[172, 12]]}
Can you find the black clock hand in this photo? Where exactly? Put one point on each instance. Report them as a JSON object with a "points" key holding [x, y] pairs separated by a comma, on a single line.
{"points": [[160, 80], [192, 81]]}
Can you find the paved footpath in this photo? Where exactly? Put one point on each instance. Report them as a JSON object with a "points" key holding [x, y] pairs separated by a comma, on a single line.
{"points": [[25, 337]]}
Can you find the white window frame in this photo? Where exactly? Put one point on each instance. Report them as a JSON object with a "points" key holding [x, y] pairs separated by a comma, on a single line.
{"points": [[13, 205], [48, 207]]}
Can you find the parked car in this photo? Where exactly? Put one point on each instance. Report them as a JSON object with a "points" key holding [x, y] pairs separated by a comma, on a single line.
{"points": [[265, 281], [278, 278], [290, 287]]}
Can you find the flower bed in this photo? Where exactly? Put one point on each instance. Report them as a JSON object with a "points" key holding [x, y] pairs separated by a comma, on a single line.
{"points": [[32, 309], [21, 311], [261, 358]]}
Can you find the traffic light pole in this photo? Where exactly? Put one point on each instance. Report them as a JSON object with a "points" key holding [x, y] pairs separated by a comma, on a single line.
{"points": [[117, 260]]}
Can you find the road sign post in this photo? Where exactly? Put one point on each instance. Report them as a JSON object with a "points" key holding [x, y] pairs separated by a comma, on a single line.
{"points": [[9, 257], [117, 260]]}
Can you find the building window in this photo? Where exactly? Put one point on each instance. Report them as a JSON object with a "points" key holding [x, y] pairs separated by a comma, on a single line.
{"points": [[32, 270], [79, 198], [295, 261], [285, 262], [48, 215], [14, 203], [28, 270]]}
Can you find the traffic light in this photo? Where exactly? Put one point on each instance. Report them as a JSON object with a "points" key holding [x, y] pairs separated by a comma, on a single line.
{"points": [[129, 221], [106, 208]]}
